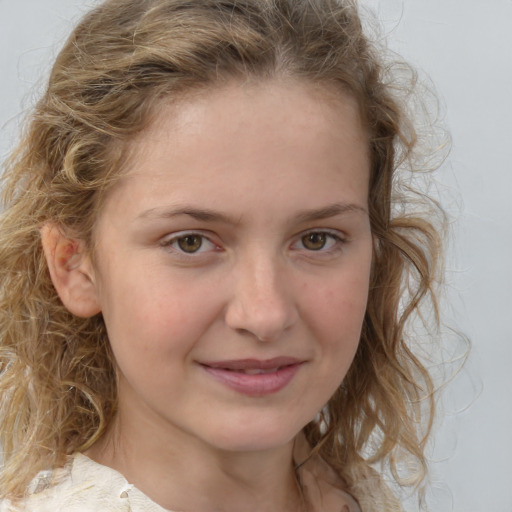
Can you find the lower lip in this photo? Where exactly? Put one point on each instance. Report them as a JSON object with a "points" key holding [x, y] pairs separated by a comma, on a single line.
{"points": [[255, 385]]}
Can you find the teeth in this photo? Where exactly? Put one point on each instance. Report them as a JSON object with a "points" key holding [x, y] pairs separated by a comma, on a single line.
{"points": [[258, 371]]}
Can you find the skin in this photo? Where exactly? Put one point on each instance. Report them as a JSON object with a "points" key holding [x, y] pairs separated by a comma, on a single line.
{"points": [[248, 172]]}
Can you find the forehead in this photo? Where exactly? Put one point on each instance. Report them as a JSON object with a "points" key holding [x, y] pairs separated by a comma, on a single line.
{"points": [[244, 138], [218, 114]]}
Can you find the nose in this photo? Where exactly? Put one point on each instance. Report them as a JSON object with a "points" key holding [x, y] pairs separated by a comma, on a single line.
{"points": [[262, 304]]}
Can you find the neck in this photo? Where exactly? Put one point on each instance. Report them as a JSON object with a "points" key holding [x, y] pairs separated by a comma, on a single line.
{"points": [[180, 472]]}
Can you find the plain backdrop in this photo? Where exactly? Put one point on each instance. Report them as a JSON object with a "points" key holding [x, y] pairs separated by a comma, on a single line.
{"points": [[466, 49]]}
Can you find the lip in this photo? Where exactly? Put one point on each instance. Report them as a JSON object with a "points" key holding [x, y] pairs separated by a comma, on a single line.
{"points": [[270, 375]]}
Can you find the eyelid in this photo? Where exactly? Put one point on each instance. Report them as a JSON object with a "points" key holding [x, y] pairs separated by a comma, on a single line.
{"points": [[339, 238], [168, 241]]}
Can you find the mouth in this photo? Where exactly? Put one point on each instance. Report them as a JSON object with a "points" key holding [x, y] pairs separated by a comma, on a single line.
{"points": [[256, 371], [254, 377]]}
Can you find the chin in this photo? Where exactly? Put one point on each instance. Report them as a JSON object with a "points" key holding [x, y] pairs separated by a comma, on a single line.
{"points": [[255, 437]]}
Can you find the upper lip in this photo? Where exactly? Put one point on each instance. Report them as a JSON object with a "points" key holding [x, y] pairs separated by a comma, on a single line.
{"points": [[253, 364]]}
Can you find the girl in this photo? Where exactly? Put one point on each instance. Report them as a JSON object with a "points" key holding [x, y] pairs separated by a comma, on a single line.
{"points": [[207, 268]]}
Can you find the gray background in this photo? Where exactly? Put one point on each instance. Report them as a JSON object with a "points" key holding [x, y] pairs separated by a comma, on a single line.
{"points": [[466, 49]]}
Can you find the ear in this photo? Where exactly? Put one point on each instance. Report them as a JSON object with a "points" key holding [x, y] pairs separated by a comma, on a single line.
{"points": [[71, 271]]}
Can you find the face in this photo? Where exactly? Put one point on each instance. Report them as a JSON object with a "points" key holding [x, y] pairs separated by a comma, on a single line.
{"points": [[233, 261]]}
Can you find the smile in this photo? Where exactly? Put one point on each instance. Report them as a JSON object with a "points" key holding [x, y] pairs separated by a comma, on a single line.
{"points": [[256, 371], [253, 377]]}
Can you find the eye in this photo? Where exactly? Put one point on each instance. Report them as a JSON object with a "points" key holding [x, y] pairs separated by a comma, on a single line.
{"points": [[189, 243], [318, 241], [314, 241]]}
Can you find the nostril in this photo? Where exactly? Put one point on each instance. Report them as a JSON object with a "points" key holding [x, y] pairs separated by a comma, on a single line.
{"points": [[262, 326], [248, 333], [261, 305]]}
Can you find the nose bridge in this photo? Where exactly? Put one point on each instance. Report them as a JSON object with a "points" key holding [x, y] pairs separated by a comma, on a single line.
{"points": [[262, 303]]}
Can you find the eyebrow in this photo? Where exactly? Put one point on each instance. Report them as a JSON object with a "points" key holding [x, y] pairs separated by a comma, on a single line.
{"points": [[201, 214], [206, 215], [330, 211]]}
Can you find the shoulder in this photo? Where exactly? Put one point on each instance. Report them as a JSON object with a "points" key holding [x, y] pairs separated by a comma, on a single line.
{"points": [[326, 492], [322, 488], [372, 491], [81, 486]]}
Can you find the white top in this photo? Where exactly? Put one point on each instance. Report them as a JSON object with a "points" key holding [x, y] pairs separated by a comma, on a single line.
{"points": [[83, 486], [86, 486]]}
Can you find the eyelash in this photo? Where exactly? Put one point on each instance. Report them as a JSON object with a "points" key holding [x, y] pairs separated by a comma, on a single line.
{"points": [[172, 243], [333, 240], [336, 241]]}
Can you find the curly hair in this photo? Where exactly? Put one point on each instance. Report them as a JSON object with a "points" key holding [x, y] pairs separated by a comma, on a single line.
{"points": [[57, 375]]}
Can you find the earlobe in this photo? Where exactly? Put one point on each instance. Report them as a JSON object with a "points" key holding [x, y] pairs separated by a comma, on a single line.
{"points": [[71, 271]]}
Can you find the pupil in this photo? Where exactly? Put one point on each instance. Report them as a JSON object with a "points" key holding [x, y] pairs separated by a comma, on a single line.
{"points": [[190, 243], [314, 241]]}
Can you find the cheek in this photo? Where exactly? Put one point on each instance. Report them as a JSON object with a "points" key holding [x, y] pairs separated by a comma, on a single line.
{"points": [[335, 317], [150, 317], [339, 306]]}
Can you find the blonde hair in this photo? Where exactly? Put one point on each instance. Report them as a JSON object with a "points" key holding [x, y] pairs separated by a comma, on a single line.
{"points": [[57, 380]]}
